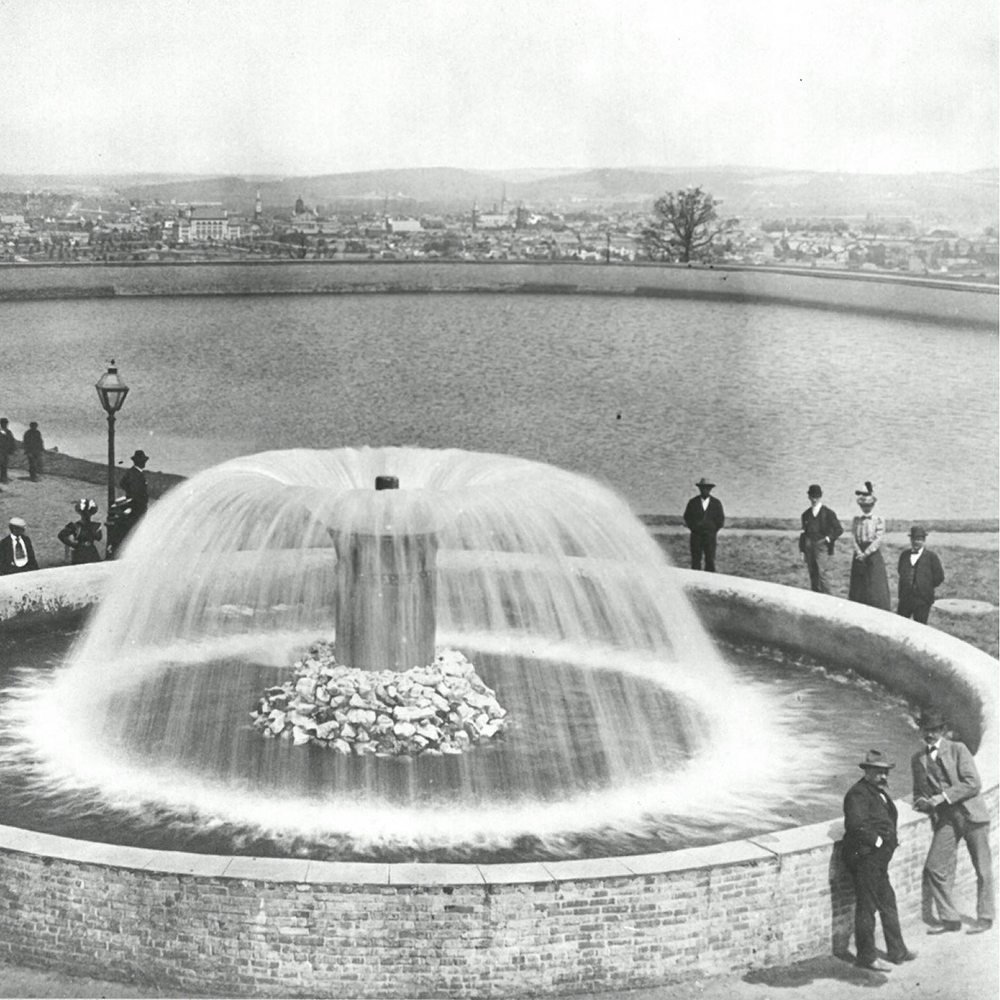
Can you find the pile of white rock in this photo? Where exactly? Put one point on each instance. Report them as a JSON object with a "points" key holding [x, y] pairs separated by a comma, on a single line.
{"points": [[443, 708]]}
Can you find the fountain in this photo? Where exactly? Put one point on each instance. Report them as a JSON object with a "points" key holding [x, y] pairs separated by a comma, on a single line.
{"points": [[622, 721], [607, 711]]}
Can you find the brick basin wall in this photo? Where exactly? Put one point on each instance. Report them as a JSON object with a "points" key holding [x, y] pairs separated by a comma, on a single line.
{"points": [[273, 927]]}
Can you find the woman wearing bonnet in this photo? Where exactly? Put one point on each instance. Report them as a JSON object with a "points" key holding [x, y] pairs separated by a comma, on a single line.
{"points": [[869, 581]]}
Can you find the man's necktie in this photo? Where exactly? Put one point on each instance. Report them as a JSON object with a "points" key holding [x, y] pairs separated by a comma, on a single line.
{"points": [[19, 550]]}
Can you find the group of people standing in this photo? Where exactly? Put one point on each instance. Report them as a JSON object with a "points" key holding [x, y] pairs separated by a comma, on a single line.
{"points": [[919, 569], [32, 443], [946, 786], [83, 535]]}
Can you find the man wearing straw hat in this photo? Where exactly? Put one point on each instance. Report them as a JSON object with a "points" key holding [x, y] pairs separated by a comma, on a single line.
{"points": [[920, 573], [17, 555], [704, 516], [869, 842]]}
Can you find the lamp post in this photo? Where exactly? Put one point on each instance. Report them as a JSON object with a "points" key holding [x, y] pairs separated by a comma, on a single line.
{"points": [[111, 390]]}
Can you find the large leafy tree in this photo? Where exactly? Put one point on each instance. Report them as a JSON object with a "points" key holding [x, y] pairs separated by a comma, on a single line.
{"points": [[684, 226]]}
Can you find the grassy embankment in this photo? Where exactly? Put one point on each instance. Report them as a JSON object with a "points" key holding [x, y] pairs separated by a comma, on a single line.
{"points": [[772, 555], [970, 573]]}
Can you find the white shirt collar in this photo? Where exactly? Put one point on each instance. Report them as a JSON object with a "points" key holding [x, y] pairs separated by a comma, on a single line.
{"points": [[20, 552]]}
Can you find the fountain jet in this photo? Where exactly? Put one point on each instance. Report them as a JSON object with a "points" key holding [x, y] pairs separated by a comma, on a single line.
{"points": [[386, 584]]}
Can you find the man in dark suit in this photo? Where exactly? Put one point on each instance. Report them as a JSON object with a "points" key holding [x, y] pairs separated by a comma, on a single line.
{"points": [[7, 448], [946, 785], [34, 448], [868, 846], [17, 555], [820, 530], [920, 573], [704, 517], [133, 484]]}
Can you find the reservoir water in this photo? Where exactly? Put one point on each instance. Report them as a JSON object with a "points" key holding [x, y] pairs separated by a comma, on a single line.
{"points": [[646, 395]]}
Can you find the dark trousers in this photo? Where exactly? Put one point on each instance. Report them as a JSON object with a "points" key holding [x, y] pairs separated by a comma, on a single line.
{"points": [[34, 466], [916, 609], [818, 560], [703, 544], [3, 469], [873, 894], [939, 869]]}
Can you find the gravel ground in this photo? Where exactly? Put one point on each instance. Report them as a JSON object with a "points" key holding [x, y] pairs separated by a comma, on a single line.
{"points": [[948, 967]]}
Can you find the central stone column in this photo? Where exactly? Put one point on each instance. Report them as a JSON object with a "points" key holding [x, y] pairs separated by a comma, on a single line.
{"points": [[386, 586]]}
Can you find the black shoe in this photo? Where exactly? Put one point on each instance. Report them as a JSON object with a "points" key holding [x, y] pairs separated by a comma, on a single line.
{"points": [[946, 927], [906, 956], [875, 965], [981, 927]]}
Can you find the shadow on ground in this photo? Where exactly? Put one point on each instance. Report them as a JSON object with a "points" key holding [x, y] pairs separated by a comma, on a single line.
{"points": [[841, 970]]}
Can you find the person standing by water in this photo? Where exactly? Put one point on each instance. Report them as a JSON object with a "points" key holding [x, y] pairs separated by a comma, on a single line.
{"points": [[34, 447], [17, 554], [869, 843], [920, 574], [704, 517], [8, 445], [820, 531], [869, 580], [82, 536], [125, 514], [133, 484], [946, 785]]}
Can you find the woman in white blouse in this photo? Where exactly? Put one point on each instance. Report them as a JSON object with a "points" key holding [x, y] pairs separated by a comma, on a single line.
{"points": [[869, 581]]}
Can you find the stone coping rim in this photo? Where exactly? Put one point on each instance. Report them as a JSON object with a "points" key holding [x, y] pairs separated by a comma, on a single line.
{"points": [[751, 849]]}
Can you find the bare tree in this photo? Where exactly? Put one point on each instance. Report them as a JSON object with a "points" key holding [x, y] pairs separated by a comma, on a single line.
{"points": [[685, 224]]}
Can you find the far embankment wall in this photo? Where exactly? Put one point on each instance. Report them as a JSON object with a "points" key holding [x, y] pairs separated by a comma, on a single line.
{"points": [[878, 294]]}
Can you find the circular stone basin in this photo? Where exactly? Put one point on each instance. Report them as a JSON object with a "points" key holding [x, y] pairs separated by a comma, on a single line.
{"points": [[347, 929], [554, 748]]}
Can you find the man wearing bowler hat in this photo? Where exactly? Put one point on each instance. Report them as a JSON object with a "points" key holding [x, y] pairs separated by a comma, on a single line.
{"points": [[820, 530], [868, 846], [946, 785], [133, 484], [704, 517], [920, 573]]}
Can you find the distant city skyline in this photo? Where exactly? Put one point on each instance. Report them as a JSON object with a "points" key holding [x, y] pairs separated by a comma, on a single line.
{"points": [[304, 87]]}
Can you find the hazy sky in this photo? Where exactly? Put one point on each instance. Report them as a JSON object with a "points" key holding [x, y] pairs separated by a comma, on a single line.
{"points": [[326, 86]]}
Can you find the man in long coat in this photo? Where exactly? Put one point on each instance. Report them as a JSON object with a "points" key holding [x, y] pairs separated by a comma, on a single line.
{"points": [[704, 517], [8, 445], [133, 484], [946, 785], [34, 448], [920, 573], [869, 842]]}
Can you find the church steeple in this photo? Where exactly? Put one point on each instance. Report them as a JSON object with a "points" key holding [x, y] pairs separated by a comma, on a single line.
{"points": [[257, 208]]}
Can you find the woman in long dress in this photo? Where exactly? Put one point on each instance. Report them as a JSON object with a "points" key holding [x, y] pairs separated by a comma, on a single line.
{"points": [[82, 536], [869, 581]]}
